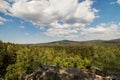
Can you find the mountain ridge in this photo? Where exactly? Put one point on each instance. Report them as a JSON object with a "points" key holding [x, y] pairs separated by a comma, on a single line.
{"points": [[79, 43]]}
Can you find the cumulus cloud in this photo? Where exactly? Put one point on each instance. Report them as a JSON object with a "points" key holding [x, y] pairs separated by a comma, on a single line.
{"points": [[63, 18], [74, 15], [60, 32], [63, 30], [118, 1], [4, 6], [2, 20], [44, 12], [22, 27], [102, 31]]}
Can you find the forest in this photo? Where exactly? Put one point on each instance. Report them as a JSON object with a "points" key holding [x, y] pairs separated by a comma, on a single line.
{"points": [[19, 59]]}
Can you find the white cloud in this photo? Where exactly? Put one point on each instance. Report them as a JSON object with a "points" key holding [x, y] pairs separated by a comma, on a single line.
{"points": [[112, 3], [2, 20], [22, 27], [4, 6], [75, 17], [118, 1], [44, 12], [102, 31], [48, 12], [60, 32], [63, 30], [26, 34]]}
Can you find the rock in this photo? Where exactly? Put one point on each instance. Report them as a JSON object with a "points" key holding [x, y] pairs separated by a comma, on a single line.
{"points": [[50, 75], [114, 75], [1, 79], [27, 77], [98, 77], [46, 72]]}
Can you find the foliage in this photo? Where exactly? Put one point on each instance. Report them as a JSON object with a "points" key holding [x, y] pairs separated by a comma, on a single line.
{"points": [[16, 60], [107, 57]]}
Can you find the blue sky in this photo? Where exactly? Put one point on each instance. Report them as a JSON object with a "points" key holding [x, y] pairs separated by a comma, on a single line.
{"points": [[24, 21]]}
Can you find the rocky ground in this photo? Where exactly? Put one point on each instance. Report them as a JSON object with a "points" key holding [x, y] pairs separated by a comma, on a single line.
{"points": [[56, 73]]}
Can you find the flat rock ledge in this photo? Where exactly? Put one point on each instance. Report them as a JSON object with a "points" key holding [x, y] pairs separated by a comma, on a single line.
{"points": [[56, 73]]}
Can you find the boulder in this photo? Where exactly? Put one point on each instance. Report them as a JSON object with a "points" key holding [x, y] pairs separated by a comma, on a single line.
{"points": [[46, 72], [1, 79]]}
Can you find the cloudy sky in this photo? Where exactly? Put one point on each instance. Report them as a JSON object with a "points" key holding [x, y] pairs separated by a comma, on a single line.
{"points": [[37, 21]]}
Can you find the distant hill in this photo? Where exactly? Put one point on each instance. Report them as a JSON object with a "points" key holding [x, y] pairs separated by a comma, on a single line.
{"points": [[79, 43], [114, 41]]}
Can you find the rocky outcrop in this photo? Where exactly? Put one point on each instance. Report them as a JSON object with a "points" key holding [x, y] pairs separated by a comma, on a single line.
{"points": [[1, 79], [56, 73]]}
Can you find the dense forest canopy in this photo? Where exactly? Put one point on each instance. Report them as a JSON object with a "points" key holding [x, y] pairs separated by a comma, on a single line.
{"points": [[16, 59]]}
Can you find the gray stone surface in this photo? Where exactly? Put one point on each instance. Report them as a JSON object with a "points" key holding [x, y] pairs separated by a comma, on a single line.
{"points": [[53, 73]]}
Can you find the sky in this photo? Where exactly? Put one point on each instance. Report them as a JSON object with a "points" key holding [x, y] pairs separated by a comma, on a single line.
{"points": [[39, 21]]}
